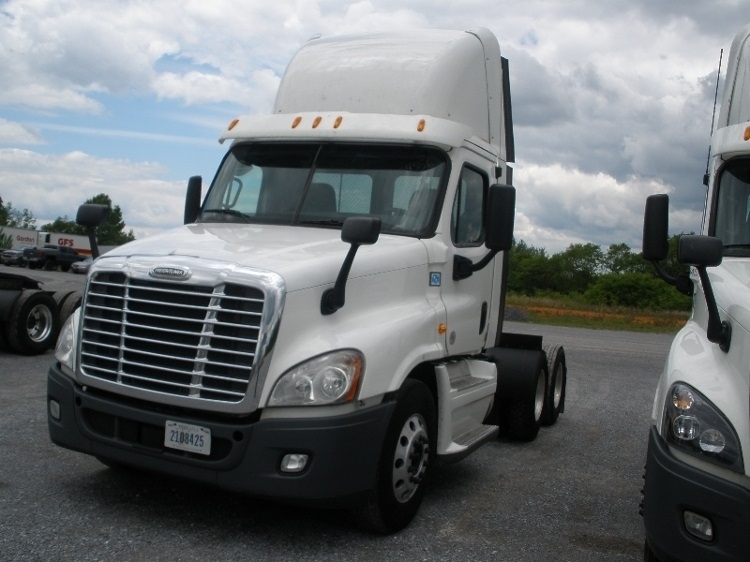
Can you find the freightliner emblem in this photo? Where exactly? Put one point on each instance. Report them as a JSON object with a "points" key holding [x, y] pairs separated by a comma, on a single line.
{"points": [[170, 272]]}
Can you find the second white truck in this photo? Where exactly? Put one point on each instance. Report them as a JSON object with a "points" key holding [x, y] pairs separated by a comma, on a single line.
{"points": [[329, 321]]}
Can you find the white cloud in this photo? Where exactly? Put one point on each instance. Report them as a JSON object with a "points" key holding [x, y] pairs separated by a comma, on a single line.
{"points": [[612, 100], [54, 186], [18, 134]]}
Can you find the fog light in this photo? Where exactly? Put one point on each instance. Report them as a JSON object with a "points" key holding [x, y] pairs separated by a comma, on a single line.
{"points": [[54, 409], [294, 462], [698, 526]]}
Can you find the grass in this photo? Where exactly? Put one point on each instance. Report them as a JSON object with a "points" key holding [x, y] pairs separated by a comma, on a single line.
{"points": [[567, 312]]}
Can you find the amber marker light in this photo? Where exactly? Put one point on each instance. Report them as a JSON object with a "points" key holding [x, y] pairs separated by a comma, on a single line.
{"points": [[232, 124], [317, 121], [337, 122], [420, 125], [296, 121], [442, 328], [747, 133]]}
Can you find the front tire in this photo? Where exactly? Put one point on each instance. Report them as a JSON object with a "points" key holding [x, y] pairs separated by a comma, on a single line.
{"points": [[408, 452]]}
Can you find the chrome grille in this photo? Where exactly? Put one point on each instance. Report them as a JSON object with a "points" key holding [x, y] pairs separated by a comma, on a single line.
{"points": [[185, 340]]}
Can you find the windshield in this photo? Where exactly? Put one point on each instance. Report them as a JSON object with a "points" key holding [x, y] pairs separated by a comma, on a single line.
{"points": [[732, 223], [321, 185]]}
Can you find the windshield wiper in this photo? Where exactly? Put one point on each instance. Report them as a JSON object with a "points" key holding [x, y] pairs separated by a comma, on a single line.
{"points": [[324, 222], [230, 212]]}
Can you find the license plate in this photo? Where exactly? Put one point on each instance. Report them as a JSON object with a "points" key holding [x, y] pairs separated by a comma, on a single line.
{"points": [[187, 437]]}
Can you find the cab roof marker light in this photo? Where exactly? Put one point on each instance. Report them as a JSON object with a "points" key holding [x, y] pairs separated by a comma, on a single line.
{"points": [[316, 122], [232, 124], [746, 136], [296, 122], [421, 125], [337, 122]]}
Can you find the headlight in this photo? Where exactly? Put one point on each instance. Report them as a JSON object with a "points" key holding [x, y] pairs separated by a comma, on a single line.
{"points": [[694, 425], [329, 379], [66, 343]]}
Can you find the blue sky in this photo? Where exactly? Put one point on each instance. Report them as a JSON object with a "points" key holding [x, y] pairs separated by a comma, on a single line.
{"points": [[612, 100]]}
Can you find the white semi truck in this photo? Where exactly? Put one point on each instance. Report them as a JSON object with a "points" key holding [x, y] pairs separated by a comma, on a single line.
{"points": [[696, 498], [328, 322]]}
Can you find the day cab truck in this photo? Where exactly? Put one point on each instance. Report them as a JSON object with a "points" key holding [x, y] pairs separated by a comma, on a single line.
{"points": [[327, 324], [696, 498]]}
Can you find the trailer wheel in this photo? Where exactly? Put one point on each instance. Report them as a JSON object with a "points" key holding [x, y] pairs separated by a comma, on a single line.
{"points": [[33, 323], [71, 302], [554, 401], [525, 411], [408, 451]]}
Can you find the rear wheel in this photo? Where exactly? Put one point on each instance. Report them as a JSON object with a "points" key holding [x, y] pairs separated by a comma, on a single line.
{"points": [[408, 451], [525, 411], [554, 401], [33, 323]]}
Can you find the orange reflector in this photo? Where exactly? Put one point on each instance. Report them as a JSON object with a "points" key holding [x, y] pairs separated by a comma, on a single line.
{"points": [[338, 121], [316, 122], [747, 133], [420, 125], [296, 121], [232, 124], [442, 328]]}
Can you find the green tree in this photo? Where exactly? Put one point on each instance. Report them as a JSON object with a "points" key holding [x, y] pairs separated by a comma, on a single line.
{"points": [[16, 218], [111, 233], [578, 266], [621, 259]]}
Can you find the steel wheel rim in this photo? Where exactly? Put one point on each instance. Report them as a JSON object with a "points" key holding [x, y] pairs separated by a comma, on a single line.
{"points": [[39, 323], [557, 394], [411, 458]]}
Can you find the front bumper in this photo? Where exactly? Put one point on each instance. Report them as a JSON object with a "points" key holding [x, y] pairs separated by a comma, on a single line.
{"points": [[343, 450], [671, 487]]}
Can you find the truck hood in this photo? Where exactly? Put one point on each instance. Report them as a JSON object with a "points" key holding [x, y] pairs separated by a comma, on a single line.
{"points": [[303, 256]]}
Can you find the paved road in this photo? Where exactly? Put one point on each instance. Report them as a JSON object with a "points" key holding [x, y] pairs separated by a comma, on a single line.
{"points": [[572, 494]]}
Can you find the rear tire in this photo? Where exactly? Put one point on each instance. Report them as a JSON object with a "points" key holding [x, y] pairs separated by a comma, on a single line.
{"points": [[408, 452], [33, 323], [554, 401], [525, 412]]}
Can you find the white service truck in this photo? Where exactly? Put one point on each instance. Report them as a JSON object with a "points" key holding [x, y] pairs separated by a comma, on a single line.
{"points": [[328, 322], [696, 498]]}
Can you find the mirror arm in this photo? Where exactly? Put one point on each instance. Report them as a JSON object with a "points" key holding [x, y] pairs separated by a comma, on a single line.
{"points": [[681, 282], [333, 299], [463, 267], [717, 331]]}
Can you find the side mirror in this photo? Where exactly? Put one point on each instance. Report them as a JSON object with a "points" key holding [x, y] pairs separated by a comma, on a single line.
{"points": [[700, 251], [92, 216], [193, 199], [500, 217], [499, 221], [355, 231], [655, 227]]}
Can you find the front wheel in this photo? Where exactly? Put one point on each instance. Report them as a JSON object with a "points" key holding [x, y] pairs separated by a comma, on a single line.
{"points": [[408, 451]]}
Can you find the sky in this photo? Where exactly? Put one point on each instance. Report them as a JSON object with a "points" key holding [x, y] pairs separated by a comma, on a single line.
{"points": [[612, 101]]}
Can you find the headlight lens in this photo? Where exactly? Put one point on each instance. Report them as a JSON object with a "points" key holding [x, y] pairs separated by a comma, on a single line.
{"points": [[66, 343], [694, 425], [332, 378]]}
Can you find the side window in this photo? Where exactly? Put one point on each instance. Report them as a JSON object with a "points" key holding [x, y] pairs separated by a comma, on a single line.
{"points": [[467, 219]]}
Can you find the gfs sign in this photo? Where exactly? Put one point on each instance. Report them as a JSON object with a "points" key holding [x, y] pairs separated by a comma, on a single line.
{"points": [[65, 242]]}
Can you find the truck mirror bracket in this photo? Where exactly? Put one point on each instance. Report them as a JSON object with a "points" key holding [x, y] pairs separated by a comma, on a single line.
{"points": [[357, 231], [463, 267]]}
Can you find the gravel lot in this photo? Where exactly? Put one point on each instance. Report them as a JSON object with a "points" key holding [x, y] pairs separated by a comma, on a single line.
{"points": [[572, 494]]}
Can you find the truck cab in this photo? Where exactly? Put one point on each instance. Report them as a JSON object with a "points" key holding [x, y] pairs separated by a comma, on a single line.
{"points": [[328, 322], [696, 498]]}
